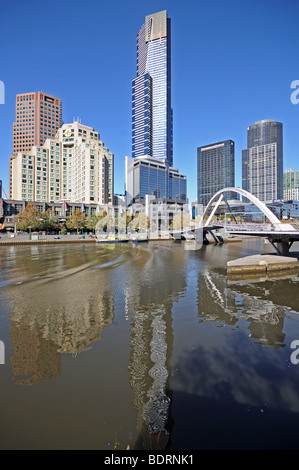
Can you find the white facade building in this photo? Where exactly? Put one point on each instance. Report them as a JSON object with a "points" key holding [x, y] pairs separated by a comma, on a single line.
{"points": [[75, 166]]}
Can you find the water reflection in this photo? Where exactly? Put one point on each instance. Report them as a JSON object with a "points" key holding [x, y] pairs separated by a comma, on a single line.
{"points": [[150, 305], [228, 303], [185, 340], [239, 366], [35, 360], [64, 310]]}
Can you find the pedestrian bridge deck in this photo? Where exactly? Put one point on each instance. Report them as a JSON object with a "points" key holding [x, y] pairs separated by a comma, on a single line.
{"points": [[275, 231]]}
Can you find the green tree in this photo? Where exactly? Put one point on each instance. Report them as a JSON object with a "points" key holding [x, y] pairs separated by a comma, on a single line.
{"points": [[28, 219], [93, 220], [76, 221], [48, 221]]}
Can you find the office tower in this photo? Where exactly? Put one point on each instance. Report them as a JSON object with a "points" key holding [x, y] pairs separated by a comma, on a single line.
{"points": [[152, 121], [291, 185], [74, 166], [149, 176], [215, 170], [262, 161], [38, 117], [149, 172]]}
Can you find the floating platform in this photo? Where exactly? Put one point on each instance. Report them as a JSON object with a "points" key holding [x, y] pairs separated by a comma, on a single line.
{"points": [[262, 264]]}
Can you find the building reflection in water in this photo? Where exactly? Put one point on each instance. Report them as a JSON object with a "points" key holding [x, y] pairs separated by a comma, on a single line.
{"points": [[149, 304], [53, 317], [241, 354], [222, 302], [66, 309], [35, 359]]}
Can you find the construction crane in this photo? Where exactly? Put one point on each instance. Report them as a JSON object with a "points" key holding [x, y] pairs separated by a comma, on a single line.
{"points": [[5, 194]]}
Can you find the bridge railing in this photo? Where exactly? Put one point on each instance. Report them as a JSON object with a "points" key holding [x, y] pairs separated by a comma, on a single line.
{"points": [[257, 227]]}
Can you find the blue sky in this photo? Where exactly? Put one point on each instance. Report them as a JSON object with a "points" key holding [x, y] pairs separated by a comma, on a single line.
{"points": [[233, 62]]}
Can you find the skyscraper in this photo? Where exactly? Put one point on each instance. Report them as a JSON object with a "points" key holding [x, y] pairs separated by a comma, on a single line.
{"points": [[215, 170], [291, 185], [150, 172], [152, 119], [262, 161], [38, 117]]}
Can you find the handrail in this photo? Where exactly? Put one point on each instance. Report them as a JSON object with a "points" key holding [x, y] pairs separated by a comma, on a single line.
{"points": [[258, 227]]}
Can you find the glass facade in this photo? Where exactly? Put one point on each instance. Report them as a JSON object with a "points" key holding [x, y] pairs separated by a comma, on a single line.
{"points": [[291, 185], [153, 182], [262, 161], [162, 183], [152, 117], [142, 142], [183, 189], [215, 170], [143, 182], [157, 180]]}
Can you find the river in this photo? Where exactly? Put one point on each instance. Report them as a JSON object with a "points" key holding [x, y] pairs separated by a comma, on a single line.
{"points": [[145, 347]]}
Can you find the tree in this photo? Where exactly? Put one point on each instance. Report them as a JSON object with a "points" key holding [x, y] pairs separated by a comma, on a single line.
{"points": [[106, 223], [91, 222], [28, 219], [140, 223], [48, 221], [180, 221], [121, 222], [76, 221]]}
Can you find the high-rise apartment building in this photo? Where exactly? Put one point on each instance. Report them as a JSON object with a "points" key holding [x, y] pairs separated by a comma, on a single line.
{"points": [[215, 170], [291, 185], [38, 117], [152, 119], [74, 166], [262, 161]]}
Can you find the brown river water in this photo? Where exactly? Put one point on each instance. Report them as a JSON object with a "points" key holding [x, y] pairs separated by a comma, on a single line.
{"points": [[146, 346]]}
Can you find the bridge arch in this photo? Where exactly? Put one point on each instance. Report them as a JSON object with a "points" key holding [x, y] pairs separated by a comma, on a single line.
{"points": [[259, 204]]}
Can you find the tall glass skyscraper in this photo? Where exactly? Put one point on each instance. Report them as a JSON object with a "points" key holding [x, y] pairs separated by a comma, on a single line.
{"points": [[215, 170], [152, 118], [262, 161]]}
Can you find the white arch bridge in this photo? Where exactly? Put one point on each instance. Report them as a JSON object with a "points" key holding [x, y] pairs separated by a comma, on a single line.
{"points": [[280, 235]]}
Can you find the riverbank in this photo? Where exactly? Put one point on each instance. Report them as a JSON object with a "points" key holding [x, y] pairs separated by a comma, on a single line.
{"points": [[54, 239], [58, 239], [25, 239]]}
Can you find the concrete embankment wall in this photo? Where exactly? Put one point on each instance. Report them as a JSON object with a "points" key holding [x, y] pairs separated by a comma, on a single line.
{"points": [[263, 264], [44, 240]]}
